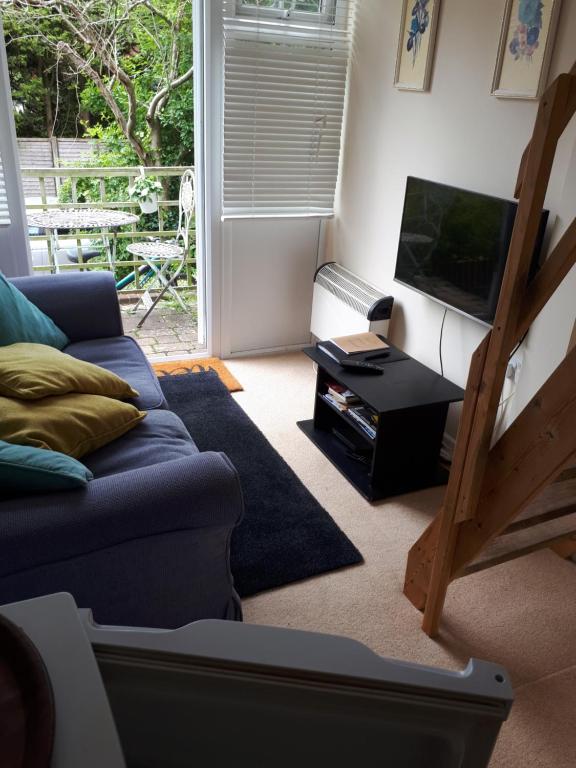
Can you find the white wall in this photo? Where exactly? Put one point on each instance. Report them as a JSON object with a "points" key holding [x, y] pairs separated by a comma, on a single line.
{"points": [[458, 134], [14, 245], [268, 274]]}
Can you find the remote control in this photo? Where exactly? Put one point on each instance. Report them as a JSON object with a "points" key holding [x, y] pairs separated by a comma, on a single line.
{"points": [[361, 366]]}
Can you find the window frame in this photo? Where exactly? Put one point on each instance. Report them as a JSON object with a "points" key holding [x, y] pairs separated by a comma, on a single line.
{"points": [[326, 17]]}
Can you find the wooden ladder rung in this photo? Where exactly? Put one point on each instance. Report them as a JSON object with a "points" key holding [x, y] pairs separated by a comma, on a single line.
{"points": [[568, 474], [524, 541], [556, 500], [551, 517], [530, 522]]}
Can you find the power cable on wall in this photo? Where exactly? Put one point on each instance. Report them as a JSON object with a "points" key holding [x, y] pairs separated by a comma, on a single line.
{"points": [[440, 342], [517, 347]]}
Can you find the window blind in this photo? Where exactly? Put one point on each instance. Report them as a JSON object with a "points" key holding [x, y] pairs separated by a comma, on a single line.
{"points": [[4, 211], [284, 88]]}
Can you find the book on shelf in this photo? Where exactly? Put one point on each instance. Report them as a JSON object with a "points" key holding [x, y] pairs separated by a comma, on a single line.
{"points": [[335, 348], [332, 400], [340, 393], [357, 343], [365, 413], [370, 431], [365, 418]]}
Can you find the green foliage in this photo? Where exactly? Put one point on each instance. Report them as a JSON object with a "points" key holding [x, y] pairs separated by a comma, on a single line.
{"points": [[145, 61], [45, 97], [177, 120], [88, 188], [49, 89]]}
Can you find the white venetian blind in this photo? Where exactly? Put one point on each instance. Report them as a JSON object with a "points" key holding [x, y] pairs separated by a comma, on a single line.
{"points": [[4, 211], [284, 87]]}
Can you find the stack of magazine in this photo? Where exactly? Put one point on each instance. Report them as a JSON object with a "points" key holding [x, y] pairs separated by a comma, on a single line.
{"points": [[365, 418], [345, 400]]}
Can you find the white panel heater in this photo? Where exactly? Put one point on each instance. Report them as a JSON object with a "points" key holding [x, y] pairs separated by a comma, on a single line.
{"points": [[343, 304]]}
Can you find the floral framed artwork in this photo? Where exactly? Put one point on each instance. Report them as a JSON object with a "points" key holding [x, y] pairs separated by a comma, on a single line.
{"points": [[416, 44], [526, 42]]}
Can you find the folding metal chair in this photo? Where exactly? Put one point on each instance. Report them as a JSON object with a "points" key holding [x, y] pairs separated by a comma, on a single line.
{"points": [[160, 256]]}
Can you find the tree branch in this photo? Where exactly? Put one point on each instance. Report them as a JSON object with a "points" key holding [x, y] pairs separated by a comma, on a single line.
{"points": [[98, 39], [163, 92], [157, 12], [126, 125]]}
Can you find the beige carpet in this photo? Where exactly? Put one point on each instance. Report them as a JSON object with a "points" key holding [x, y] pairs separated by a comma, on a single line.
{"points": [[521, 614]]}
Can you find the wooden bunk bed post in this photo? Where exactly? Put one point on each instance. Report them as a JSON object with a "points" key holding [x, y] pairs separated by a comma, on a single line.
{"points": [[465, 523]]}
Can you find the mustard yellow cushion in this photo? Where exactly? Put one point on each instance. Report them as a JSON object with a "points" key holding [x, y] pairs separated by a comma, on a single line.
{"points": [[72, 424], [31, 371]]}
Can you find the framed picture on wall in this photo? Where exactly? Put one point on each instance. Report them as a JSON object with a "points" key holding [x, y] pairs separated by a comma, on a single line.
{"points": [[416, 44], [526, 43]]}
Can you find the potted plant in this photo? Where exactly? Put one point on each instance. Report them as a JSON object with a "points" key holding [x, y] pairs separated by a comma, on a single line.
{"points": [[145, 191]]}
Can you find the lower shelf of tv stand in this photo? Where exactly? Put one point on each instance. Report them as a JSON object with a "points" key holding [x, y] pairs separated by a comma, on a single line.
{"points": [[359, 475]]}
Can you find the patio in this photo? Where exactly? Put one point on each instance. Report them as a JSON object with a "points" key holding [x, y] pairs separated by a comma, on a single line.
{"points": [[167, 332]]}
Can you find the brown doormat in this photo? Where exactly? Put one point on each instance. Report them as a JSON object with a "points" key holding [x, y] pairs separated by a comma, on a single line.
{"points": [[199, 365]]}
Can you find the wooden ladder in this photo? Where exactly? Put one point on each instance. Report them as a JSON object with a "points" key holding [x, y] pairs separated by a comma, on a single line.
{"points": [[507, 500]]}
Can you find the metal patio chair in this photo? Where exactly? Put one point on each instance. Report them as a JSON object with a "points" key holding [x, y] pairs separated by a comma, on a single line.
{"points": [[161, 256]]}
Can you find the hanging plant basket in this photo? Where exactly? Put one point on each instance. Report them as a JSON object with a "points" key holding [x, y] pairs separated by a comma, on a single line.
{"points": [[145, 192], [150, 205]]}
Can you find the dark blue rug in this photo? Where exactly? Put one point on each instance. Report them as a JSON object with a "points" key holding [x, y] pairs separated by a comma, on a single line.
{"points": [[285, 535]]}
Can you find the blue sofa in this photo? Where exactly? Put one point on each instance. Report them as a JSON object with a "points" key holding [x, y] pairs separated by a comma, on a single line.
{"points": [[147, 542]]}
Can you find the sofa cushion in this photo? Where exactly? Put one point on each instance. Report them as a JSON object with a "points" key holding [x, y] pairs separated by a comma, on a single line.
{"points": [[20, 320], [123, 356], [160, 437], [72, 424], [35, 470], [32, 371]]}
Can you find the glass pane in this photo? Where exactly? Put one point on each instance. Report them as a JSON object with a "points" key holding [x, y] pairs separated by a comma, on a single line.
{"points": [[261, 3], [306, 6], [312, 6]]}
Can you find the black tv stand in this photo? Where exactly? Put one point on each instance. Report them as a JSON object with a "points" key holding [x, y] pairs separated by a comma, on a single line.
{"points": [[410, 402]]}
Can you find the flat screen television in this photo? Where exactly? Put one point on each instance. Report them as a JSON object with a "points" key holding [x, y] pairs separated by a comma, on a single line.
{"points": [[454, 244]]}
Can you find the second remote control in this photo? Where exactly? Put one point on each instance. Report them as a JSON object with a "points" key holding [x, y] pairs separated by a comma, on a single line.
{"points": [[361, 366]]}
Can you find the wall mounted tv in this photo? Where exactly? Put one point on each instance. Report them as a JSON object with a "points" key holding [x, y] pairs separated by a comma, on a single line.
{"points": [[454, 244]]}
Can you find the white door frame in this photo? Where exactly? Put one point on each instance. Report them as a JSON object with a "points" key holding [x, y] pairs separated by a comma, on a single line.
{"points": [[202, 250], [208, 161], [15, 259]]}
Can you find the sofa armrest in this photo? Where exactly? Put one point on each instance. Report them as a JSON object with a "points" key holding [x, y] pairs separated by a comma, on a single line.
{"points": [[192, 493], [82, 304]]}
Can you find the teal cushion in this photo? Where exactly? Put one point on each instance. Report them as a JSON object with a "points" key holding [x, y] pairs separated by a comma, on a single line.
{"points": [[33, 470], [22, 321]]}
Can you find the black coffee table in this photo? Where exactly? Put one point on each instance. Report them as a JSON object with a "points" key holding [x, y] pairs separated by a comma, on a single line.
{"points": [[411, 404]]}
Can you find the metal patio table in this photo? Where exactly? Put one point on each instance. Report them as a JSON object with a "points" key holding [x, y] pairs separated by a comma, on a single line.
{"points": [[84, 219]]}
